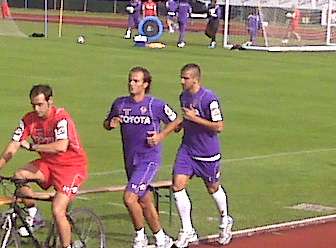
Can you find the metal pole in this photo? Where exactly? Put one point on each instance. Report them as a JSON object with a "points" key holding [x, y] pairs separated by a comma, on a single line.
{"points": [[115, 6], [46, 18], [85, 6]]}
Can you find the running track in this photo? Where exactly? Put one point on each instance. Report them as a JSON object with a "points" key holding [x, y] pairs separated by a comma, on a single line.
{"points": [[312, 236]]}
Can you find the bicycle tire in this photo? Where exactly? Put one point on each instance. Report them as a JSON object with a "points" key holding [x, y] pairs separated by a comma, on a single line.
{"points": [[87, 227], [14, 238]]}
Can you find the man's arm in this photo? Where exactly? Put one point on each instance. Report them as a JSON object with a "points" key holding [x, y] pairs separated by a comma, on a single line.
{"points": [[9, 152], [54, 147], [157, 138]]}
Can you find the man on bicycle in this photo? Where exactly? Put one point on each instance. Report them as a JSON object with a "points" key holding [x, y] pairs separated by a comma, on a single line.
{"points": [[63, 161]]}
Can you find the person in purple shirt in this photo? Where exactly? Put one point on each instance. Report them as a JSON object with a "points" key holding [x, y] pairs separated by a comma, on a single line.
{"points": [[253, 25], [171, 6], [215, 14], [134, 14], [199, 154], [139, 116], [183, 13]]}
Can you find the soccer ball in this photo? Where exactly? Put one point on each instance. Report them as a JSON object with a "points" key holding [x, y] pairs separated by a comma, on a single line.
{"points": [[81, 39], [289, 15]]}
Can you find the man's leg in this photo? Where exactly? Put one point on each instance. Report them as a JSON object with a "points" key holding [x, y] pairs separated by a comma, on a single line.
{"points": [[29, 171], [218, 194], [59, 208], [32, 171], [153, 220], [183, 205]]}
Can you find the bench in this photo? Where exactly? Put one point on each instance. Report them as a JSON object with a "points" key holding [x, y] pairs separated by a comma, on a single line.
{"points": [[157, 186]]}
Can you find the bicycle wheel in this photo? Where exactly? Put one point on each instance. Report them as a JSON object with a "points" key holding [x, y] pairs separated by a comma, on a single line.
{"points": [[9, 239], [87, 229]]}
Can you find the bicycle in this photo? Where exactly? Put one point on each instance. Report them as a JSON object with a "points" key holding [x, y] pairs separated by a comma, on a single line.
{"points": [[87, 228]]}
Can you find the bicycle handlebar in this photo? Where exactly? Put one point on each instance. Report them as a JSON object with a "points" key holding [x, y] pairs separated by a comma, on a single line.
{"points": [[17, 181]]}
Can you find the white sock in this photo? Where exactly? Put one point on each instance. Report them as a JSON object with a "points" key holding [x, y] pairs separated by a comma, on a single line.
{"points": [[32, 211], [183, 205], [220, 199], [141, 233], [160, 235]]}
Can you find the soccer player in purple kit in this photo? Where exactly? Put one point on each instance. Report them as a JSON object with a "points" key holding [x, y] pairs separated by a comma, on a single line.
{"points": [[171, 6], [183, 13], [134, 15], [139, 116], [215, 14], [199, 154]]}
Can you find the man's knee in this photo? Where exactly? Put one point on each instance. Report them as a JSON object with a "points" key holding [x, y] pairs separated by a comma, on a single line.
{"points": [[130, 198]]}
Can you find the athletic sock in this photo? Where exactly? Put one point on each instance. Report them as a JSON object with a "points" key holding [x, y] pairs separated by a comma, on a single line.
{"points": [[160, 235], [221, 202], [183, 205], [140, 233]]}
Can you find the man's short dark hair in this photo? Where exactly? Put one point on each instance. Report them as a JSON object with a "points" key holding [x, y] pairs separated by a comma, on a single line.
{"points": [[193, 67], [147, 77], [44, 89]]}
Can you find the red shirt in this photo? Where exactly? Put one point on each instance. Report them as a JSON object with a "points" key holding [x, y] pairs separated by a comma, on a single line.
{"points": [[149, 9], [58, 126]]}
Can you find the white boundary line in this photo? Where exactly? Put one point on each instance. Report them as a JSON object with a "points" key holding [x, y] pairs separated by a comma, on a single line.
{"points": [[280, 154], [272, 155]]}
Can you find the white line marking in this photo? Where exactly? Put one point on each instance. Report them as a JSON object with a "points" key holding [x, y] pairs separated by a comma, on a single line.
{"points": [[281, 154], [272, 155]]}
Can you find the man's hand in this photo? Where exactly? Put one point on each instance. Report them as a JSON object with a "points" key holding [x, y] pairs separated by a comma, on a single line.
{"points": [[26, 145], [189, 113], [115, 122], [154, 138]]}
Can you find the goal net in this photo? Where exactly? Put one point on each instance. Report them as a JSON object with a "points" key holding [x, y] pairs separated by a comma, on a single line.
{"points": [[281, 25]]}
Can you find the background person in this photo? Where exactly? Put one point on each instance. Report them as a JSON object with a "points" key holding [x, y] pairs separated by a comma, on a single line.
{"points": [[215, 14], [149, 8], [62, 163], [139, 116], [253, 25], [171, 6], [183, 13], [134, 14], [294, 24]]}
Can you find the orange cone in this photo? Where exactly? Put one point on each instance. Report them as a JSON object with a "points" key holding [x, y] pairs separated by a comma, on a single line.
{"points": [[5, 10]]}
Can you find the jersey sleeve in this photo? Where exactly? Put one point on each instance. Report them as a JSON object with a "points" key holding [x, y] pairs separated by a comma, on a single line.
{"points": [[113, 112], [62, 129], [166, 113], [214, 109], [21, 132]]}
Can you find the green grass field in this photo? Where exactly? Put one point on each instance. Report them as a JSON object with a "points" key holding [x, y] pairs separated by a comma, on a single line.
{"points": [[278, 144]]}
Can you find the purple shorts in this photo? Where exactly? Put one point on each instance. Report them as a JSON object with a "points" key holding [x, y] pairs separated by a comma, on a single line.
{"points": [[142, 173], [185, 164]]}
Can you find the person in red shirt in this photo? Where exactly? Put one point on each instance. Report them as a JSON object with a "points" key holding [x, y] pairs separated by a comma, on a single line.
{"points": [[294, 24], [149, 8], [51, 132]]}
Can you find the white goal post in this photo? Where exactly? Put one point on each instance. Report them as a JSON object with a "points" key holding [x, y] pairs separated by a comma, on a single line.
{"points": [[280, 25]]}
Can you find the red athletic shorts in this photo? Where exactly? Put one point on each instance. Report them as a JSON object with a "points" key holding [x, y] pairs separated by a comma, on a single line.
{"points": [[65, 179]]}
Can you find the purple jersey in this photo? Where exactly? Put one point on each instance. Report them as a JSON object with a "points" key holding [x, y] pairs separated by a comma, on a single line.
{"points": [[138, 119], [254, 23], [215, 12], [171, 6], [201, 143], [183, 11], [136, 4]]}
